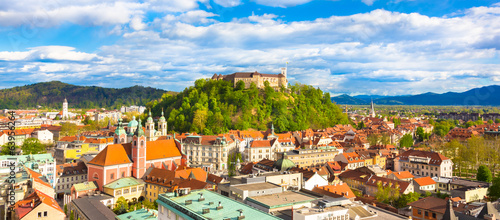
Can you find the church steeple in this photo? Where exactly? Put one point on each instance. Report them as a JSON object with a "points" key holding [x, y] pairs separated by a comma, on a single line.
{"points": [[162, 124], [372, 113]]}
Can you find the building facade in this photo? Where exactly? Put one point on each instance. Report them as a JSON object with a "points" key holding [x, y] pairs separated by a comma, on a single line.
{"points": [[276, 81]]}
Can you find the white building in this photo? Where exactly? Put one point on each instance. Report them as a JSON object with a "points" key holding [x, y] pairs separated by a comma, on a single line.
{"points": [[315, 180], [40, 163], [112, 115], [424, 163], [65, 114], [44, 136]]}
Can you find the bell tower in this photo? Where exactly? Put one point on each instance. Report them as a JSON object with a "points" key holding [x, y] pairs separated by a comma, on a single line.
{"points": [[150, 128], [162, 124], [139, 152]]}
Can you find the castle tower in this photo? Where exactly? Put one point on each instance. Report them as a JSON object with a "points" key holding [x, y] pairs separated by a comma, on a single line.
{"points": [[162, 124], [139, 152], [65, 109], [120, 135], [372, 113], [150, 127]]}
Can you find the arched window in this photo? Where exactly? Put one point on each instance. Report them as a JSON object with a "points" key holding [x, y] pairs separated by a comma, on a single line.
{"points": [[142, 143], [96, 176]]}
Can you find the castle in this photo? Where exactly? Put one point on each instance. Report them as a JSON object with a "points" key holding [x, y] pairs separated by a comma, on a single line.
{"points": [[275, 80]]}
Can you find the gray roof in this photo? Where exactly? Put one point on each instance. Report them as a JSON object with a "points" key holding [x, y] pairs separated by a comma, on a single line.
{"points": [[92, 208]]}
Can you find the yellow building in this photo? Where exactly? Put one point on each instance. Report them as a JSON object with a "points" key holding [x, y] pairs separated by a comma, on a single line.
{"points": [[129, 187], [69, 151]]}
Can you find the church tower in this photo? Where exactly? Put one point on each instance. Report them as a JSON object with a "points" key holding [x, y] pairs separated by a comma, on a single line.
{"points": [[120, 136], [150, 128], [139, 152], [372, 113], [65, 109], [162, 124]]}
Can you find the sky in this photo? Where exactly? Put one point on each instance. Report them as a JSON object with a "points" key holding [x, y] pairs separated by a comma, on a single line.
{"points": [[355, 47]]}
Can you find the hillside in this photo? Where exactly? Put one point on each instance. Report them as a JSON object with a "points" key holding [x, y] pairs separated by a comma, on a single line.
{"points": [[487, 95], [51, 94], [213, 107]]}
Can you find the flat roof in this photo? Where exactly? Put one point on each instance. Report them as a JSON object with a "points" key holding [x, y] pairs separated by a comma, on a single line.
{"points": [[231, 208], [281, 199], [256, 186]]}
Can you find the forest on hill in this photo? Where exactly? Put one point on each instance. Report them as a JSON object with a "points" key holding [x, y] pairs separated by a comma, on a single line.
{"points": [[213, 107], [51, 95]]}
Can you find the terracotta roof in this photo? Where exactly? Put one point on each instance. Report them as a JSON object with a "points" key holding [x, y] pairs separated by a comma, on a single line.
{"points": [[424, 181], [113, 154], [374, 180], [435, 158], [430, 203], [72, 138], [214, 178], [71, 169], [167, 178], [161, 149], [261, 143], [198, 173], [23, 207], [403, 175], [338, 190]]}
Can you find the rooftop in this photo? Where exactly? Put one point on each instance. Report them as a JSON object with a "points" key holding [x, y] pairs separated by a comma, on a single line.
{"points": [[256, 186], [139, 215], [231, 209], [124, 182], [286, 198], [92, 208]]}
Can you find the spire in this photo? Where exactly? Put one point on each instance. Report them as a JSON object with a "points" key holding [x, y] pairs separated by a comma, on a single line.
{"points": [[449, 214], [372, 113], [150, 119], [139, 132], [162, 118], [272, 128]]}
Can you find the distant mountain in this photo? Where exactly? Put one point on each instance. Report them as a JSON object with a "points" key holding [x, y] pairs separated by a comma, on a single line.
{"points": [[346, 99], [51, 94], [488, 95]]}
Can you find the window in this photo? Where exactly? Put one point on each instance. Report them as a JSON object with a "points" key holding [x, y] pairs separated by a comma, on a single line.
{"points": [[426, 213], [123, 174], [45, 214], [112, 176], [419, 211], [433, 215], [96, 176], [39, 214]]}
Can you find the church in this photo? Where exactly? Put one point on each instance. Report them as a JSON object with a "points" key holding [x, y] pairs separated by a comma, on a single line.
{"points": [[275, 80], [133, 152]]}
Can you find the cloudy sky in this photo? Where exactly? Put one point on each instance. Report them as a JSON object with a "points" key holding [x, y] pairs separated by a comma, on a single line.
{"points": [[356, 47]]}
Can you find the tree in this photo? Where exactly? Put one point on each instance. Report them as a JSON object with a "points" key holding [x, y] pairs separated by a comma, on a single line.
{"points": [[66, 209], [404, 199], [361, 125], [406, 141], [72, 216], [240, 85], [33, 146], [385, 139], [497, 120], [373, 139], [68, 129], [387, 194], [494, 190], [490, 121], [484, 174], [121, 206]]}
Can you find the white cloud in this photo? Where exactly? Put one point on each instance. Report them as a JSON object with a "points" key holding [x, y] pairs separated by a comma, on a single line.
{"points": [[282, 3], [378, 52], [228, 3], [137, 24], [368, 2]]}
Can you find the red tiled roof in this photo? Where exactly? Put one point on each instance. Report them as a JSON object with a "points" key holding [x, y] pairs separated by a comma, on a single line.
{"points": [[113, 154], [23, 207], [338, 190], [261, 143], [403, 175], [425, 181], [436, 158]]}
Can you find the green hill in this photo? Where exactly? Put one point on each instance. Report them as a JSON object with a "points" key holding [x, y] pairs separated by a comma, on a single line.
{"points": [[213, 107], [51, 94]]}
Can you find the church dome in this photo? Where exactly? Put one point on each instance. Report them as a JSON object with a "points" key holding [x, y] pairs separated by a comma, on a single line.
{"points": [[284, 164], [132, 123]]}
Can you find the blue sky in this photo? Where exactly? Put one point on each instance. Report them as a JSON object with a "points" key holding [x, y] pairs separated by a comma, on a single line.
{"points": [[394, 47]]}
